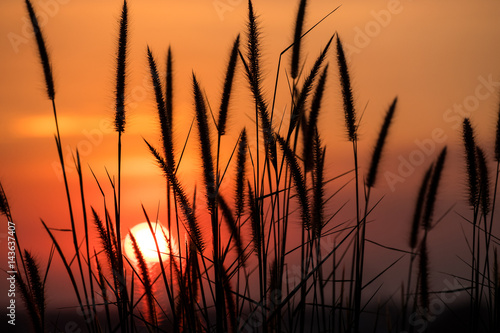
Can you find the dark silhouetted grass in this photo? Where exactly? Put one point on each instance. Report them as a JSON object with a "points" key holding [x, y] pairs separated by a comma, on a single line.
{"points": [[279, 251]]}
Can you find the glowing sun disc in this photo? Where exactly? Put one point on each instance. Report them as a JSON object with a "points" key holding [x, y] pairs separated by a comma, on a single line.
{"points": [[146, 242]]}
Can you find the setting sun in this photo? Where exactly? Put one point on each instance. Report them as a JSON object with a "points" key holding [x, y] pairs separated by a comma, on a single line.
{"points": [[146, 242]]}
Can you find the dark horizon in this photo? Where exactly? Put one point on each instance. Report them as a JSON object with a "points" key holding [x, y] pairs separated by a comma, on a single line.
{"points": [[435, 78]]}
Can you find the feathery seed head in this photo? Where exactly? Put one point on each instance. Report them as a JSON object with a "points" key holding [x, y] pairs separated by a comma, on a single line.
{"points": [[297, 38], [345, 82], [121, 62], [470, 157], [42, 51], [377, 152], [484, 181]]}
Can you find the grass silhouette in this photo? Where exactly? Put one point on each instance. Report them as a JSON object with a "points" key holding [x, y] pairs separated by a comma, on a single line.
{"points": [[224, 280]]}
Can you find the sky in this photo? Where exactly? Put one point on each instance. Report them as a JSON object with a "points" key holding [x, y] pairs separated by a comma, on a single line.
{"points": [[440, 58]]}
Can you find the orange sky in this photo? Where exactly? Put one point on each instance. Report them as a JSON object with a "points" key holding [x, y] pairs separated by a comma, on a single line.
{"points": [[433, 55]]}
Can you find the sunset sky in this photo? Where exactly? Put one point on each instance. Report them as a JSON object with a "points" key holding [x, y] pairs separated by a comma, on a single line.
{"points": [[440, 58]]}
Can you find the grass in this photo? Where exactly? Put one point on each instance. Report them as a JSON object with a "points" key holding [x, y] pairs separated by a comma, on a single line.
{"points": [[269, 281]]}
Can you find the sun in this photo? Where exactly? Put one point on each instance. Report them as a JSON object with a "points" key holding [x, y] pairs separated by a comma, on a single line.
{"points": [[146, 242]]}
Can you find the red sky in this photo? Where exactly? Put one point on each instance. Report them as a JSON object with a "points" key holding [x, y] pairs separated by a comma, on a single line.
{"points": [[436, 56]]}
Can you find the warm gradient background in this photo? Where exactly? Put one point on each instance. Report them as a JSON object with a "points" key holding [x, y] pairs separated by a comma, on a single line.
{"points": [[433, 55]]}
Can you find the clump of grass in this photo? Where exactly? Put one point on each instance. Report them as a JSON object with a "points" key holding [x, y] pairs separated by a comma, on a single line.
{"points": [[196, 283]]}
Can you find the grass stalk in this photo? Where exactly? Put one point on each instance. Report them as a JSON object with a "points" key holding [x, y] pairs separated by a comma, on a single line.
{"points": [[70, 274], [121, 62], [370, 183], [470, 157], [351, 127], [49, 82]]}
